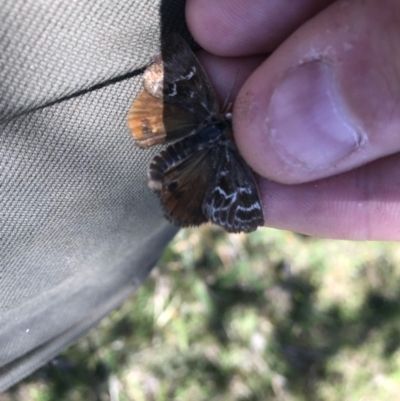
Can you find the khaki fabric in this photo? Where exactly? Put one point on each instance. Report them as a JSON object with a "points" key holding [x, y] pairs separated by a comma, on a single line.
{"points": [[79, 229]]}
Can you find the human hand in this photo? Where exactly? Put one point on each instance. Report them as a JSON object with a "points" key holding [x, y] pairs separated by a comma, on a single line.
{"points": [[321, 112]]}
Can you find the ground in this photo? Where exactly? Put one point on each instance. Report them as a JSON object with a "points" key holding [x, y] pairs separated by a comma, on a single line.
{"points": [[268, 316]]}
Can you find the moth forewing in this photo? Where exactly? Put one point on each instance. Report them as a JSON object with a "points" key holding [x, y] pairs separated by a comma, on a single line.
{"points": [[201, 177]]}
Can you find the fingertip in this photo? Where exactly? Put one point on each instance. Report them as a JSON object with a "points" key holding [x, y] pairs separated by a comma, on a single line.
{"points": [[296, 123], [237, 28], [323, 103], [222, 27], [207, 25], [227, 74]]}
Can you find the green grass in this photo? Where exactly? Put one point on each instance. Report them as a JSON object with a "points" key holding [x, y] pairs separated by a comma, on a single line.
{"points": [[267, 316]]}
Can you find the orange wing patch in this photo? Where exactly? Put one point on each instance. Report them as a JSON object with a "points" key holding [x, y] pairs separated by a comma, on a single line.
{"points": [[152, 121]]}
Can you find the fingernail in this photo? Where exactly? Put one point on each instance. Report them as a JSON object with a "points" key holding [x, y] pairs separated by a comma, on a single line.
{"points": [[308, 121]]}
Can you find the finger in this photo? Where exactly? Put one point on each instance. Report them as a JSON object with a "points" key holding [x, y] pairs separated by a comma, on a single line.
{"points": [[362, 204], [227, 74], [239, 27], [327, 100]]}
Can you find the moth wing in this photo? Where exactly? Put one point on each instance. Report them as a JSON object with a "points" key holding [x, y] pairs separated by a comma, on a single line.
{"points": [[179, 175], [232, 200], [178, 78], [153, 121]]}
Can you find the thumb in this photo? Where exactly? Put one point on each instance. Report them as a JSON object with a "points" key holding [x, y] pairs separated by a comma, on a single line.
{"points": [[327, 100]]}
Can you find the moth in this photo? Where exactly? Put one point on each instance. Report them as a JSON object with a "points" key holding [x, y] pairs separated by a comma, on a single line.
{"points": [[200, 176]]}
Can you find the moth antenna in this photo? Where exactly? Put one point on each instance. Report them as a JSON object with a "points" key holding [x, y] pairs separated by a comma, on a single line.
{"points": [[226, 106]]}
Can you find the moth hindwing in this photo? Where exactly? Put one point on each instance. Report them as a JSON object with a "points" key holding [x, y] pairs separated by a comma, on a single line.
{"points": [[201, 176]]}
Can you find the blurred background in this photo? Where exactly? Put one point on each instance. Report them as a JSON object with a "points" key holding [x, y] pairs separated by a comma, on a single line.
{"points": [[268, 316]]}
